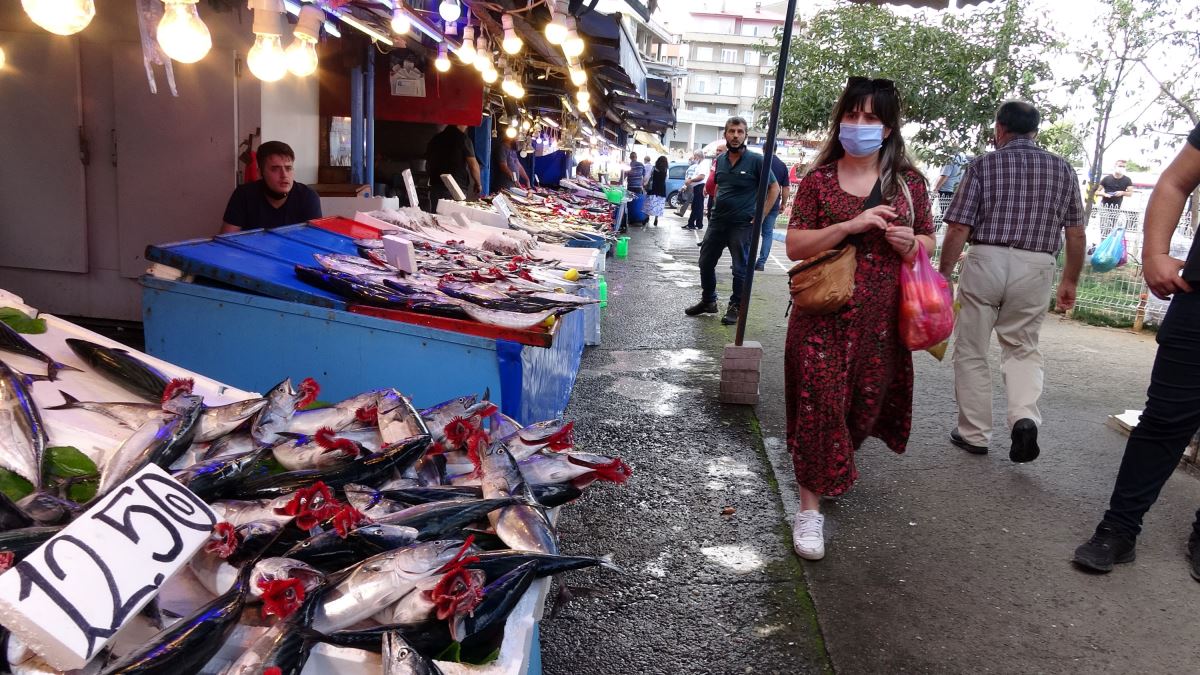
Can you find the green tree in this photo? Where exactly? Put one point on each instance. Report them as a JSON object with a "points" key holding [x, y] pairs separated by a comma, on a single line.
{"points": [[1062, 138], [952, 72]]}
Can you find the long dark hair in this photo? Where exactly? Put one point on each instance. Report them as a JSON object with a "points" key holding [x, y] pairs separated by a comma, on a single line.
{"points": [[894, 159], [661, 163]]}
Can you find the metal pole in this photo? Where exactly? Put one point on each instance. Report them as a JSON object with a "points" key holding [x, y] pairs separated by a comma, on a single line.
{"points": [[764, 178], [369, 89], [356, 126]]}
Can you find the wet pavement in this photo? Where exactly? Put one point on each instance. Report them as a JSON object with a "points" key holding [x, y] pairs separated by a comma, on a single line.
{"points": [[938, 561]]}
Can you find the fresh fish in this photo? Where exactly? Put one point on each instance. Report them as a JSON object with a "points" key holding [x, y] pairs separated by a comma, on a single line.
{"points": [[429, 470], [376, 468], [12, 341], [121, 367], [432, 493], [370, 502], [47, 509], [132, 415], [484, 622], [414, 608], [521, 526], [242, 512], [22, 433], [452, 422], [156, 442], [540, 468], [217, 478], [511, 320], [12, 516], [397, 420], [437, 519], [268, 570], [217, 421], [285, 647], [330, 551], [335, 417], [282, 402], [322, 451], [192, 641], [498, 563], [381, 580], [236, 444], [555, 435], [429, 637], [217, 565], [400, 658]]}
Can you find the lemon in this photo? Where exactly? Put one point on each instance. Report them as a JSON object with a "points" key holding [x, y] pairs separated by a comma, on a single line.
{"points": [[571, 275], [549, 322]]}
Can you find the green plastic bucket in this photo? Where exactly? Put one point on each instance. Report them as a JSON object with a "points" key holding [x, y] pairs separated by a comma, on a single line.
{"points": [[614, 195], [622, 247]]}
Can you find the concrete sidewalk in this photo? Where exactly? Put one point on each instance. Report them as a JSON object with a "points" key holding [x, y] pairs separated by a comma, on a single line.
{"points": [[944, 562]]}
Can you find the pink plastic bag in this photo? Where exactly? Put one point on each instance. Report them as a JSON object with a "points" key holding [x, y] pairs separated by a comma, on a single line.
{"points": [[926, 304]]}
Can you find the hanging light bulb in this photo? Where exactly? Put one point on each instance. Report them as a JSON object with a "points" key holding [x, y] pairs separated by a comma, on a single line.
{"points": [[490, 75], [61, 17], [578, 76], [302, 53], [266, 59], [483, 56], [556, 30], [512, 42], [572, 44], [401, 24], [583, 96], [466, 53], [510, 132], [181, 33], [2, 58], [450, 10], [443, 62], [511, 87]]}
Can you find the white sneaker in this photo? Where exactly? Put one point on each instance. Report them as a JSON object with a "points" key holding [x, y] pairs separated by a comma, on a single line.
{"points": [[808, 535]]}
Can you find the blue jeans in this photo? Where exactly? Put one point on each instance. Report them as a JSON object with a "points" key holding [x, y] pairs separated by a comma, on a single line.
{"points": [[697, 218], [768, 237], [721, 236], [1168, 422]]}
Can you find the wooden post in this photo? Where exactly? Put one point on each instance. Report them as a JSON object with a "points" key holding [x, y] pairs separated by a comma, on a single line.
{"points": [[1139, 318]]}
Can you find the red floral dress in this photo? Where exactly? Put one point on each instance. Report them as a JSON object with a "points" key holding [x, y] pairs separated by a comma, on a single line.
{"points": [[848, 375]]}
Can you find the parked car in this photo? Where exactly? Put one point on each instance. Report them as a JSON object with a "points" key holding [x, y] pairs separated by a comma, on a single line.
{"points": [[675, 175]]}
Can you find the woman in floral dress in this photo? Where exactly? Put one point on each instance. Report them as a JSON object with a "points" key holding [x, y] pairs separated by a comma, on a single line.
{"points": [[848, 375]]}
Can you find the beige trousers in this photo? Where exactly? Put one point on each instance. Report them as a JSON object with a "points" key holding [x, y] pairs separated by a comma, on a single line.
{"points": [[1006, 290]]}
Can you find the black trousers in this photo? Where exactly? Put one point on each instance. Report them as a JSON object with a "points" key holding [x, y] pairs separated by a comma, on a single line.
{"points": [[1169, 421], [697, 218]]}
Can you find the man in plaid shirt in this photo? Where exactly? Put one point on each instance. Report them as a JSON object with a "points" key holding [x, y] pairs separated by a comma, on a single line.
{"points": [[1013, 206]]}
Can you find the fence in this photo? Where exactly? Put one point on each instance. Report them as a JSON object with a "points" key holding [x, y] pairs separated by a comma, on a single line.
{"points": [[1118, 298]]}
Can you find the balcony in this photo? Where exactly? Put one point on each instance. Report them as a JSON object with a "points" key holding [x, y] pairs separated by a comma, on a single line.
{"points": [[726, 39]]}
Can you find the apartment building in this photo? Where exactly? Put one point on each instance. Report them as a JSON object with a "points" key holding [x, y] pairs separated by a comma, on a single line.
{"points": [[727, 72]]}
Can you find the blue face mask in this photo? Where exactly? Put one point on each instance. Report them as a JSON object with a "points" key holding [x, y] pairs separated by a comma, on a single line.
{"points": [[861, 140]]}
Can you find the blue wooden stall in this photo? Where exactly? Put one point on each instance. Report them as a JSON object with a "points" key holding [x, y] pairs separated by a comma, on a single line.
{"points": [[255, 323]]}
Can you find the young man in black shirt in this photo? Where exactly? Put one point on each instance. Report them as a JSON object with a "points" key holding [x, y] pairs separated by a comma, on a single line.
{"points": [[274, 200], [1115, 187], [451, 151]]}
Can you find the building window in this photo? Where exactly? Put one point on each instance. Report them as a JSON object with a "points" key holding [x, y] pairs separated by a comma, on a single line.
{"points": [[704, 54], [769, 88], [751, 57], [750, 87], [727, 86], [673, 60], [700, 86], [728, 56], [701, 109], [749, 31], [721, 112]]}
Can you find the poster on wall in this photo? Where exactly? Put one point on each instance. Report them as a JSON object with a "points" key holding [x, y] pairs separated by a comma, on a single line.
{"points": [[339, 141], [407, 77]]}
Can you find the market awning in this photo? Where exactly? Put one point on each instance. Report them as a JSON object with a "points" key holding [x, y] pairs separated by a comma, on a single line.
{"points": [[641, 101], [650, 141]]}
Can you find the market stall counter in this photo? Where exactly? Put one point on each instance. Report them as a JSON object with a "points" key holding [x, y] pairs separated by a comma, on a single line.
{"points": [[233, 307]]}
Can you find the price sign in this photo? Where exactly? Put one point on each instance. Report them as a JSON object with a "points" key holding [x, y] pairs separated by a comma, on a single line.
{"points": [[500, 202], [452, 185], [411, 188], [69, 597]]}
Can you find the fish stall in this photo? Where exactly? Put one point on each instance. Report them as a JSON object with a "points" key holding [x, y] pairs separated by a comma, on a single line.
{"points": [[505, 318], [267, 533]]}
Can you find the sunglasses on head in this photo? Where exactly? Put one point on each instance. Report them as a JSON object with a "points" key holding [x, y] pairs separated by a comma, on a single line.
{"points": [[877, 83]]}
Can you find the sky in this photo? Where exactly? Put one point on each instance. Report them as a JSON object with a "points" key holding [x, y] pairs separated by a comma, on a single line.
{"points": [[1067, 18]]}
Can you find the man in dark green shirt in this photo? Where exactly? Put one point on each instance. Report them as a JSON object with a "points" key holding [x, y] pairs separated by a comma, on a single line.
{"points": [[737, 173]]}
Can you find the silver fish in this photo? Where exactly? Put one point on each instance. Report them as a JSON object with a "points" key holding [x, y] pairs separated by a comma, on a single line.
{"points": [[399, 658], [413, 608], [273, 569], [241, 512], [23, 437], [545, 468], [127, 414], [306, 452], [218, 421], [520, 526], [275, 417], [238, 443], [12, 341], [381, 580], [155, 442], [336, 417]]}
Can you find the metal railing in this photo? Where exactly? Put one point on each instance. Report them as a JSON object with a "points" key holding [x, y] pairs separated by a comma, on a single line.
{"points": [[1118, 298]]}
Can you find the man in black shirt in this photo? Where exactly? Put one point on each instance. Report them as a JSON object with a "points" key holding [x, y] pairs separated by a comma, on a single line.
{"points": [[1172, 412], [451, 151], [275, 199], [1115, 187]]}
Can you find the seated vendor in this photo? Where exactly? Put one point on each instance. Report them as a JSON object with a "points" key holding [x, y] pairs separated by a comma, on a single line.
{"points": [[273, 200]]}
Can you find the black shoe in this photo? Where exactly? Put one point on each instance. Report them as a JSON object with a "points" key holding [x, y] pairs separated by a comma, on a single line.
{"points": [[701, 307], [957, 439], [687, 227], [1194, 554], [1024, 441], [731, 315], [760, 267], [1106, 548]]}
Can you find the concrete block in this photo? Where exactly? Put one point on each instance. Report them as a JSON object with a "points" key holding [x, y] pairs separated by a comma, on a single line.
{"points": [[739, 387], [740, 364], [739, 399], [748, 350], [740, 376]]}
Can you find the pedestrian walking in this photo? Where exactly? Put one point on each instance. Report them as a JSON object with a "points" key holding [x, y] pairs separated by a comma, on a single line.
{"points": [[693, 185], [1172, 413], [635, 178], [768, 224], [736, 179], [1014, 206], [656, 196], [710, 183], [847, 374]]}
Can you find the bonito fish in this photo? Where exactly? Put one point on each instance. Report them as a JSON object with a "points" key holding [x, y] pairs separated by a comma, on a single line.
{"points": [[23, 437]]}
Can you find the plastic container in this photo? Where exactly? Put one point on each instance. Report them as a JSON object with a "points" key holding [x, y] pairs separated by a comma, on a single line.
{"points": [[622, 247], [637, 209], [603, 291], [614, 195]]}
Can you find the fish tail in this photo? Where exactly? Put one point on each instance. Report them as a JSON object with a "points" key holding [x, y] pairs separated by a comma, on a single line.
{"points": [[53, 368], [606, 561], [68, 403]]}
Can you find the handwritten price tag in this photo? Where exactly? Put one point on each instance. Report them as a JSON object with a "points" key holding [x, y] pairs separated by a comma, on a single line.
{"points": [[69, 597], [410, 187]]}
